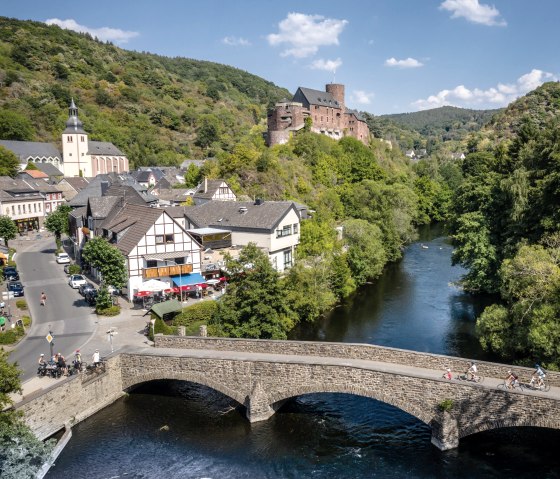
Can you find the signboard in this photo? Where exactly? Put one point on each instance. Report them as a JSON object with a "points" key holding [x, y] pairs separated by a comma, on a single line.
{"points": [[49, 337]]}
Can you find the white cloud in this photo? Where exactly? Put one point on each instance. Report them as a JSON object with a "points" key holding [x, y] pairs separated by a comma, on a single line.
{"points": [[406, 63], [474, 12], [105, 34], [327, 65], [304, 34], [236, 42], [497, 96], [362, 97]]}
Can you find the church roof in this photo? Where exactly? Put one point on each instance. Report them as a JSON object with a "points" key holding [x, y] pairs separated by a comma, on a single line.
{"points": [[31, 149], [49, 169], [103, 148]]}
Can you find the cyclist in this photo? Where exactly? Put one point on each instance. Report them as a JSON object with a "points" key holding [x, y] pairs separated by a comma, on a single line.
{"points": [[447, 374], [510, 380], [77, 360], [538, 376], [43, 299], [471, 372]]}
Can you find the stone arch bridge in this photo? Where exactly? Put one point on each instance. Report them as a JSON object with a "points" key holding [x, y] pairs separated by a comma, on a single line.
{"points": [[261, 375]]}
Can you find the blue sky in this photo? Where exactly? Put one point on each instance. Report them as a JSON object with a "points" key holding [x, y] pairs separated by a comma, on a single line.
{"points": [[393, 55]]}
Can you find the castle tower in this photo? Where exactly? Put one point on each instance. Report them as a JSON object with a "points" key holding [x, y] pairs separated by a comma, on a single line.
{"points": [[75, 160], [337, 91]]}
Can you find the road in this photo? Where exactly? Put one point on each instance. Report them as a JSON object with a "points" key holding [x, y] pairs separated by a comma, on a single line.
{"points": [[71, 320]]}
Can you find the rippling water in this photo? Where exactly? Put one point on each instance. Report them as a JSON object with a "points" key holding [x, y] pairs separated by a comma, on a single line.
{"points": [[181, 430]]}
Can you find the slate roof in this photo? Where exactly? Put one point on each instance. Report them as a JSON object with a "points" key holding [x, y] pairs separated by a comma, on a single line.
{"points": [[101, 206], [42, 186], [49, 169], [265, 216], [130, 194], [315, 97], [176, 211], [35, 174], [77, 183], [78, 212], [103, 148], [356, 113], [91, 190], [175, 194], [31, 149], [138, 219], [211, 189]]}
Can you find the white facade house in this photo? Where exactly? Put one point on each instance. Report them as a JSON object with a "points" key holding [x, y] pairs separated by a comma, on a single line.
{"points": [[274, 226], [213, 190], [155, 246]]}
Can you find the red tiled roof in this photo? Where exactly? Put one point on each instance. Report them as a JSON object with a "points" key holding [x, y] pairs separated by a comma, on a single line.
{"points": [[36, 174]]}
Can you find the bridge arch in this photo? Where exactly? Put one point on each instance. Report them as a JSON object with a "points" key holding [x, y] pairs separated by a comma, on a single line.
{"points": [[184, 376], [503, 423], [424, 415]]}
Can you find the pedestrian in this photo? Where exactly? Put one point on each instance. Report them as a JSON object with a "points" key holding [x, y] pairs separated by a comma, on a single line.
{"points": [[95, 358], [43, 298]]}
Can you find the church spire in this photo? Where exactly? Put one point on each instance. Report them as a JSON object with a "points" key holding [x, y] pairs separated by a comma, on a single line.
{"points": [[73, 124]]}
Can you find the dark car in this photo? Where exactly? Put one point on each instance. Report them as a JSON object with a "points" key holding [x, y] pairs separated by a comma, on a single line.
{"points": [[16, 288], [91, 297], [10, 273], [84, 288]]}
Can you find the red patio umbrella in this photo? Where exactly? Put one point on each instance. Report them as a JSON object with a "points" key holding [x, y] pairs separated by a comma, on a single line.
{"points": [[141, 294], [175, 289]]}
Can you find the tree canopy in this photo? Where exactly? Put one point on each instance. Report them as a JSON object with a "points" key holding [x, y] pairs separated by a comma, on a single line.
{"points": [[8, 229], [108, 260], [9, 163]]}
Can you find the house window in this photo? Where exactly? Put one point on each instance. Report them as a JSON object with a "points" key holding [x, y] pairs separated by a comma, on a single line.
{"points": [[223, 190], [179, 260], [69, 139], [13, 210], [23, 209], [39, 207], [287, 259], [19, 209], [151, 263], [165, 239], [295, 228], [82, 139], [285, 231], [7, 210], [35, 207]]}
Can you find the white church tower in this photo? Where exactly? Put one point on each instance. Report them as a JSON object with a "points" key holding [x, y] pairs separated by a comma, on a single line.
{"points": [[75, 158]]}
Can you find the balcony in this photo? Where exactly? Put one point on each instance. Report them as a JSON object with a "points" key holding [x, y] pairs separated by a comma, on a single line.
{"points": [[163, 271]]}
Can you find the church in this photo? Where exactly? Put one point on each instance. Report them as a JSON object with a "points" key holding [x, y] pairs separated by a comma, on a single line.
{"points": [[80, 155]]}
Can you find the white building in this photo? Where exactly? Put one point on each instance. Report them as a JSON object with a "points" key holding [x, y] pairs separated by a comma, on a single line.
{"points": [[274, 226], [155, 246]]}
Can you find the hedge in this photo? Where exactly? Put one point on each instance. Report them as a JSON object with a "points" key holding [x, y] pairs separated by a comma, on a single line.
{"points": [[202, 312]]}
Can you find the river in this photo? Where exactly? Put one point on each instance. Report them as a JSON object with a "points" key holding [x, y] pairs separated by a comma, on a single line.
{"points": [[181, 430]]}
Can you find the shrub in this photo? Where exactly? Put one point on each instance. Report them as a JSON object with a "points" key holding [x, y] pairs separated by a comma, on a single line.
{"points": [[11, 335], [21, 304], [110, 311], [445, 405], [202, 312], [161, 327], [26, 321], [74, 269]]}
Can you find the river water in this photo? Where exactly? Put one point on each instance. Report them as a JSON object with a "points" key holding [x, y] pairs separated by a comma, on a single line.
{"points": [[181, 430]]}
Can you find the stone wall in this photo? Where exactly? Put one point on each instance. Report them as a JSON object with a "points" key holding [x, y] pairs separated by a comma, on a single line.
{"points": [[349, 350], [72, 400]]}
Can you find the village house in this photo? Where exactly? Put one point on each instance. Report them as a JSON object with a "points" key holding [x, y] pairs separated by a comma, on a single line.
{"points": [[274, 226], [155, 247], [325, 110], [213, 190], [22, 203]]}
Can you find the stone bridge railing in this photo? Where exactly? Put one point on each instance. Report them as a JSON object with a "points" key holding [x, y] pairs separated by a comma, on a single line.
{"points": [[349, 351]]}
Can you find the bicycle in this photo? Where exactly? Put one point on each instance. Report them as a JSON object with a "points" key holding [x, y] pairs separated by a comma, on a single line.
{"points": [[538, 384], [514, 385], [475, 378]]}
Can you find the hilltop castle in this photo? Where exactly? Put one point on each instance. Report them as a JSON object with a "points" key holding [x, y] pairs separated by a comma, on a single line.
{"points": [[327, 111]]}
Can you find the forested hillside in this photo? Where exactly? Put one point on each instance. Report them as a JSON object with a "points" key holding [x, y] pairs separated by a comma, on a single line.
{"points": [[430, 129], [506, 225], [158, 110]]}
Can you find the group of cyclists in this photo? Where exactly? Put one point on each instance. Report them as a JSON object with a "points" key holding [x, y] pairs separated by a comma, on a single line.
{"points": [[60, 361], [511, 380]]}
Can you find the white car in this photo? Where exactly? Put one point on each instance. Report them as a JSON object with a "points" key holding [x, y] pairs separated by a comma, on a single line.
{"points": [[76, 280], [62, 258]]}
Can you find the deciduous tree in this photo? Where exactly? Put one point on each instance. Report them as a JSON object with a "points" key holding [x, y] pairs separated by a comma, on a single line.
{"points": [[108, 260], [8, 229]]}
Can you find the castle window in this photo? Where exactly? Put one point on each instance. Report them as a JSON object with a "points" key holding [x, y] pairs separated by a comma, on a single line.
{"points": [[69, 139]]}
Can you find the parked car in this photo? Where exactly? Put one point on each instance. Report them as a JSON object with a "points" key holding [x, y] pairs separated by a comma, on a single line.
{"points": [[16, 288], [76, 280], [84, 288], [62, 258], [91, 297], [10, 273]]}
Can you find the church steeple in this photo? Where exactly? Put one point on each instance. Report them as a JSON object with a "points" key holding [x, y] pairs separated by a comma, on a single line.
{"points": [[73, 124]]}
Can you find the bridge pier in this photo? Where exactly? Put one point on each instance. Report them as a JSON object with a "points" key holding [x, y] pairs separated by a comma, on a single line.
{"points": [[445, 431], [258, 405]]}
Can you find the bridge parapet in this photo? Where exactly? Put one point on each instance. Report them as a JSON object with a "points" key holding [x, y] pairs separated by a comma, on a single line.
{"points": [[367, 352]]}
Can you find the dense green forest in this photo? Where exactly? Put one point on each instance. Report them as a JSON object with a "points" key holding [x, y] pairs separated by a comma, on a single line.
{"points": [[506, 225], [442, 129], [157, 110]]}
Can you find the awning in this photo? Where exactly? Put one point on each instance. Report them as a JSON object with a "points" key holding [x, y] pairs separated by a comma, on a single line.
{"points": [[166, 307], [187, 279]]}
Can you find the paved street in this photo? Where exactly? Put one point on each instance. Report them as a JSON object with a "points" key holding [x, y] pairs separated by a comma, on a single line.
{"points": [[71, 320]]}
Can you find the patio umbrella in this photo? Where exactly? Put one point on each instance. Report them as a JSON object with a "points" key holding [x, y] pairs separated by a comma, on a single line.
{"points": [[141, 294], [155, 285], [212, 282], [175, 289]]}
